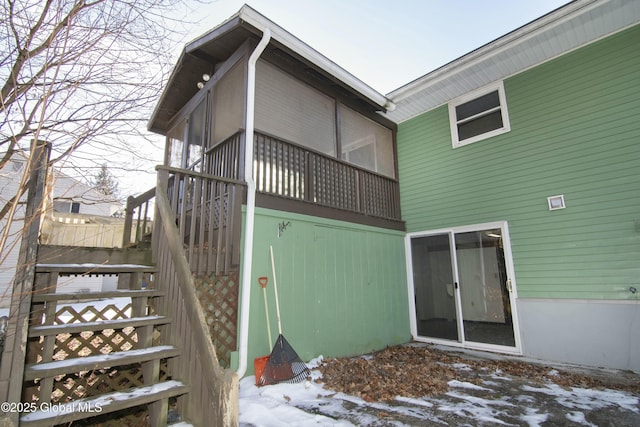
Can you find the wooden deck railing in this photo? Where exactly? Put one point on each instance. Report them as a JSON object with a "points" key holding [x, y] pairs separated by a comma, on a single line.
{"points": [[225, 159], [208, 213], [291, 171], [294, 172], [135, 231], [214, 391]]}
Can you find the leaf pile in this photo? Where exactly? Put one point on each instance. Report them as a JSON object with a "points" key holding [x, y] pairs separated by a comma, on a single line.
{"points": [[394, 371], [418, 371]]}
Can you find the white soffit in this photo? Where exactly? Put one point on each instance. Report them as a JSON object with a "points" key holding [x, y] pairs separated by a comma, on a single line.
{"points": [[565, 29]]}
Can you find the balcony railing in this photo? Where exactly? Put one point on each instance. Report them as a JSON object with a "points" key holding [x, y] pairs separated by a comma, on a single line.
{"points": [[207, 212], [289, 171]]}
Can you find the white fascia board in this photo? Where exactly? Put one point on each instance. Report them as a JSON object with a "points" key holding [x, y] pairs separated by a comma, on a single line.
{"points": [[278, 33]]}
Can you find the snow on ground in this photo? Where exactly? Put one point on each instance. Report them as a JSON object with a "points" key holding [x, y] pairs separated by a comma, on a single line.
{"points": [[500, 400]]}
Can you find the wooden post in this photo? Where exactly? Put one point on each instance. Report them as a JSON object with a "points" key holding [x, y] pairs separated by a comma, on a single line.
{"points": [[13, 357], [128, 222]]}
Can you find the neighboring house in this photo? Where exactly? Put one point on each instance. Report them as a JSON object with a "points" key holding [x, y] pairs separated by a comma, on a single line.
{"points": [[78, 215], [515, 167], [520, 186], [10, 176], [68, 195], [75, 215]]}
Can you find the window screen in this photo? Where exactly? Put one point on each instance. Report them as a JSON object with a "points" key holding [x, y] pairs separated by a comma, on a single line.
{"points": [[228, 103], [175, 145], [196, 136], [366, 143], [291, 110]]}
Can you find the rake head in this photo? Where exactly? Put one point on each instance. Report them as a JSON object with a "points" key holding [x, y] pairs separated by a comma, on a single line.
{"points": [[284, 365]]}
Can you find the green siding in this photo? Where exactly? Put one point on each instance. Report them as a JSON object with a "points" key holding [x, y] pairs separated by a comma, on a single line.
{"points": [[575, 130], [342, 286]]}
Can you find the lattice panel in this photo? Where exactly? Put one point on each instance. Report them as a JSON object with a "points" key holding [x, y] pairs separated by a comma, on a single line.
{"points": [[219, 298], [90, 313], [91, 343]]}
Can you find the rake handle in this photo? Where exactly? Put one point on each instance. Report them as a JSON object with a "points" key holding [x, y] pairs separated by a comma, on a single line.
{"points": [[275, 288]]}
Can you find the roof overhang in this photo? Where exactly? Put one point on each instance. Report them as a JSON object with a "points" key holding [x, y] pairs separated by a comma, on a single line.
{"points": [[200, 56], [567, 28]]}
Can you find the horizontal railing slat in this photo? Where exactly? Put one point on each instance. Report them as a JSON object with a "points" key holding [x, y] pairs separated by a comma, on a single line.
{"points": [[92, 296], [74, 328]]}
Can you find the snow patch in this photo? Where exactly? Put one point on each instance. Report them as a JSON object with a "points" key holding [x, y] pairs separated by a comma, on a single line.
{"points": [[533, 418], [465, 384], [271, 406], [462, 367], [414, 401], [586, 399], [578, 417]]}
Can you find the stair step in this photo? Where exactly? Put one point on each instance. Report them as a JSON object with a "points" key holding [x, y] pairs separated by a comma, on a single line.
{"points": [[81, 296], [119, 358], [95, 268], [72, 328], [103, 404]]}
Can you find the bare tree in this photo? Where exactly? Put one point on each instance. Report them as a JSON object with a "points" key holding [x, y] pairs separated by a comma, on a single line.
{"points": [[79, 74]]}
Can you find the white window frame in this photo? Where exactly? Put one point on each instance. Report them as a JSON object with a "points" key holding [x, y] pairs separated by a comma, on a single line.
{"points": [[517, 349], [453, 120]]}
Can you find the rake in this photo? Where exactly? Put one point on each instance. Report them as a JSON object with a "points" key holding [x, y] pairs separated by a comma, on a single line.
{"points": [[284, 365]]}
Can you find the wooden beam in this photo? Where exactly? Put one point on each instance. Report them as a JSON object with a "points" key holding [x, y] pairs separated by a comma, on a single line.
{"points": [[13, 357], [50, 254]]}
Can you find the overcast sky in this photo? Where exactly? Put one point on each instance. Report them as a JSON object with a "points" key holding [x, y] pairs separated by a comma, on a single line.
{"points": [[388, 43]]}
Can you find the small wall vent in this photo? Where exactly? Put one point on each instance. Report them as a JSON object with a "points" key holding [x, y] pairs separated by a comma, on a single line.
{"points": [[556, 202]]}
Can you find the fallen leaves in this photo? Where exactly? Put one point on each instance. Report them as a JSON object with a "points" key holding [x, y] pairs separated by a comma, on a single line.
{"points": [[419, 371]]}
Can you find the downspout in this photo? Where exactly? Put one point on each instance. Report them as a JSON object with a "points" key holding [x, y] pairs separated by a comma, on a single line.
{"points": [[251, 204]]}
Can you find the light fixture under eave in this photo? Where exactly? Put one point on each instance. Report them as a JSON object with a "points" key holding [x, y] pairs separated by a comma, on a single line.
{"points": [[200, 85], [206, 77]]}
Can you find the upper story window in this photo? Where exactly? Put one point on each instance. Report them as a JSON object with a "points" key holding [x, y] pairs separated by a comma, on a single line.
{"points": [[66, 207], [479, 115]]}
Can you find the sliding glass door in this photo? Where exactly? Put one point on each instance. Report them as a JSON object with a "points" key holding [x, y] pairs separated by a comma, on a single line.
{"points": [[434, 282], [463, 287]]}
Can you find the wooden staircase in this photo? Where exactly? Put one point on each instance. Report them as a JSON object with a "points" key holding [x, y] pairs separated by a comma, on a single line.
{"points": [[66, 345], [71, 357]]}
